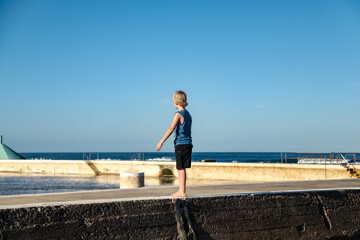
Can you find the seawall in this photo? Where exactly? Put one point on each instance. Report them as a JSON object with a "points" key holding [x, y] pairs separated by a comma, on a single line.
{"points": [[296, 215], [198, 170]]}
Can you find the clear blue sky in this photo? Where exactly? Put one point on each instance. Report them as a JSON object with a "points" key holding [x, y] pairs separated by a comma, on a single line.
{"points": [[260, 75]]}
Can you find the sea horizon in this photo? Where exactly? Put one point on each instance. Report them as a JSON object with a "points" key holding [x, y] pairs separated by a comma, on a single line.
{"points": [[157, 156]]}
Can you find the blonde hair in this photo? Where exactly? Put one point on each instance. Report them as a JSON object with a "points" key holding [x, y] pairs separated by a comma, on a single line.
{"points": [[180, 98]]}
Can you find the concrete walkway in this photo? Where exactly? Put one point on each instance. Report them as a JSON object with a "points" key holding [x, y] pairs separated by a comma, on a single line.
{"points": [[97, 196]]}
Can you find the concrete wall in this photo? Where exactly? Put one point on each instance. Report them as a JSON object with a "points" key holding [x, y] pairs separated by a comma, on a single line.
{"points": [[306, 215], [267, 171], [46, 166], [228, 171]]}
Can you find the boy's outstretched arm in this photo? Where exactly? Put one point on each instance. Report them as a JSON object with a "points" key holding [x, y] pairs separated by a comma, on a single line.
{"points": [[169, 131]]}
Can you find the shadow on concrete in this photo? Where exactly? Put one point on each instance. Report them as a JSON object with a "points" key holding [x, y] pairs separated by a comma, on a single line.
{"points": [[187, 226]]}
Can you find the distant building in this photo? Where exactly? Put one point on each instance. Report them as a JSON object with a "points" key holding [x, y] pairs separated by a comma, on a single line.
{"points": [[8, 153]]}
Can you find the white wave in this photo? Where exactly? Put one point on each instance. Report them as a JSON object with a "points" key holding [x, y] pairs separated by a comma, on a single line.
{"points": [[165, 159]]}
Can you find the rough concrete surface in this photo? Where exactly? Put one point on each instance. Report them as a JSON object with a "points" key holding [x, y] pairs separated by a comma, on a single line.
{"points": [[297, 215]]}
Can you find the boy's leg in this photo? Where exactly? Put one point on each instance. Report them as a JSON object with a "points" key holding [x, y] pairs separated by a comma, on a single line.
{"points": [[183, 160], [182, 184], [182, 180]]}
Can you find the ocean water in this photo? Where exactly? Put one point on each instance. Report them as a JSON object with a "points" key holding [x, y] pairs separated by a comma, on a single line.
{"points": [[255, 157]]}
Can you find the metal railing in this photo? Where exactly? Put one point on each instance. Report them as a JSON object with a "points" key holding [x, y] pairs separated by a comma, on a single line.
{"points": [[321, 157], [138, 156], [88, 157]]}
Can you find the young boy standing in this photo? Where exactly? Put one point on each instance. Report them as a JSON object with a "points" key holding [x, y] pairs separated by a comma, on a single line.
{"points": [[183, 142]]}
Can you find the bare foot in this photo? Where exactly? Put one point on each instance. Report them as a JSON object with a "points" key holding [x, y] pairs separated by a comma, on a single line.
{"points": [[178, 194]]}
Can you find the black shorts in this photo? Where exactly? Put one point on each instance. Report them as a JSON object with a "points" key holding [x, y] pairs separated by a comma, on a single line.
{"points": [[183, 156]]}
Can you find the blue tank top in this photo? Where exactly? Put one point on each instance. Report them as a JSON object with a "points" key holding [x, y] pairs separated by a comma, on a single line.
{"points": [[183, 131]]}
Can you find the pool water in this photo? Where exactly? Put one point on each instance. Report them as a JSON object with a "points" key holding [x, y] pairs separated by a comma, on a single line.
{"points": [[17, 183]]}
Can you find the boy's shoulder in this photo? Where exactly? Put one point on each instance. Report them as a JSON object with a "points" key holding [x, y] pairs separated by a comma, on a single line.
{"points": [[183, 111]]}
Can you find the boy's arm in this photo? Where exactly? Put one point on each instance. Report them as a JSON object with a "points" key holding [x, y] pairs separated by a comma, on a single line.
{"points": [[169, 131]]}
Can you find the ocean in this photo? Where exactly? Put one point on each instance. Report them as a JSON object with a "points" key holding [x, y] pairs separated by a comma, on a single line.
{"points": [[254, 157]]}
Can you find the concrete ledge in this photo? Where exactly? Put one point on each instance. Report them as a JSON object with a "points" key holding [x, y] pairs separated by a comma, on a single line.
{"points": [[301, 215], [198, 170], [115, 195]]}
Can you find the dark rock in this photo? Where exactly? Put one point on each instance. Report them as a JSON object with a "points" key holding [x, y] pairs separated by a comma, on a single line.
{"points": [[306, 215]]}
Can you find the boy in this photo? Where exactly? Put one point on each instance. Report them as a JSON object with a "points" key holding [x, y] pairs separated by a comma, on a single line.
{"points": [[183, 142]]}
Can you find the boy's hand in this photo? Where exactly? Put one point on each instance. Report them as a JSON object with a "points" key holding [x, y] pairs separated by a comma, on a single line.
{"points": [[158, 147]]}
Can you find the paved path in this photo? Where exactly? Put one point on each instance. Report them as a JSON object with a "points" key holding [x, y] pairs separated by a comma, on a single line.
{"points": [[33, 200]]}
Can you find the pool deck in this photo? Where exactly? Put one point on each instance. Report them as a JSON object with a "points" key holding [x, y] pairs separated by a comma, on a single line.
{"points": [[98, 196]]}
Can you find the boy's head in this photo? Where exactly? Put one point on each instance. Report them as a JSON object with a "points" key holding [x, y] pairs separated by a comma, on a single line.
{"points": [[180, 98]]}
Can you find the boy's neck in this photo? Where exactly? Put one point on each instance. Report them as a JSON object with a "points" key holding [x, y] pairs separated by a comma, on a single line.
{"points": [[180, 108]]}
